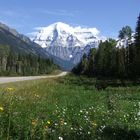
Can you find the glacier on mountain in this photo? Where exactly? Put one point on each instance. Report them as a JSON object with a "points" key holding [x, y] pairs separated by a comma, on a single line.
{"points": [[66, 44], [123, 43]]}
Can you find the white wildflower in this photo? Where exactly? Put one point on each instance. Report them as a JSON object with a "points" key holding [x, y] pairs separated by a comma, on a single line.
{"points": [[60, 138]]}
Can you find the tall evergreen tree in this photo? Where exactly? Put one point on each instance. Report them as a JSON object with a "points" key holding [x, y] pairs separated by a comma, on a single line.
{"points": [[125, 32], [104, 63], [137, 49], [99, 60], [137, 33], [91, 59], [121, 70]]}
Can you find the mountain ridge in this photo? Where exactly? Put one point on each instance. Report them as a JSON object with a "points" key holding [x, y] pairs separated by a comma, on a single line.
{"points": [[19, 43]]}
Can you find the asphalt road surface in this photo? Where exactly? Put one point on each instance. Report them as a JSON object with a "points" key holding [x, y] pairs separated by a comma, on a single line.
{"points": [[4, 80]]}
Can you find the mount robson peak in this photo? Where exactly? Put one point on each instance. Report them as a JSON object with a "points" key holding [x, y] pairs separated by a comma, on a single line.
{"points": [[65, 44]]}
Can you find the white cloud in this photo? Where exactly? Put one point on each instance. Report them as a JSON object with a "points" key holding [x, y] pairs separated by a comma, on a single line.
{"points": [[32, 34], [39, 28], [59, 12], [73, 29], [14, 14], [95, 31]]}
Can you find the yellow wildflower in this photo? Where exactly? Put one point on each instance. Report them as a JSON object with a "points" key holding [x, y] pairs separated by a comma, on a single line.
{"points": [[1, 109], [48, 122], [10, 89], [94, 124]]}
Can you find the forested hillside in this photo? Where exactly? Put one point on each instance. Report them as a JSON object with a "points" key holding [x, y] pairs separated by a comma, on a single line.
{"points": [[20, 56], [13, 63]]}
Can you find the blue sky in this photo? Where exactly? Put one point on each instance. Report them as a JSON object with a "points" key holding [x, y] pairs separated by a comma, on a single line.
{"points": [[108, 16]]}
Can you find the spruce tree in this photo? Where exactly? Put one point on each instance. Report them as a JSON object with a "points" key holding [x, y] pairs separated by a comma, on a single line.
{"points": [[121, 71], [137, 49], [125, 32], [91, 61], [137, 34]]}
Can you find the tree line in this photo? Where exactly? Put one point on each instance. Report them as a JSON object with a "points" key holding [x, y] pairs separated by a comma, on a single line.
{"points": [[12, 63], [114, 62]]}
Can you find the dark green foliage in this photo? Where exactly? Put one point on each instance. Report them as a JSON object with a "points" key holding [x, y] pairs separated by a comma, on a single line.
{"points": [[119, 134], [4, 51], [82, 67], [104, 64], [120, 63], [137, 33], [137, 49], [12, 63], [129, 60], [101, 84], [91, 59], [108, 61], [99, 62], [125, 32], [87, 64]]}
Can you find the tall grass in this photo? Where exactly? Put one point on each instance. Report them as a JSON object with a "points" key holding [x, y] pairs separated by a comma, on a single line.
{"points": [[68, 108]]}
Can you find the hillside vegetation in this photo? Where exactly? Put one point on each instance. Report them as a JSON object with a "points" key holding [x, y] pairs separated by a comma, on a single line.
{"points": [[13, 63]]}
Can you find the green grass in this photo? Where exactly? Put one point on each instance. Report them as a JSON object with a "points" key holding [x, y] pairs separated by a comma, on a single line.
{"points": [[69, 108]]}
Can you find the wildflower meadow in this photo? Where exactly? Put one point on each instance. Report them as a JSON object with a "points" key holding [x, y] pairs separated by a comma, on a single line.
{"points": [[68, 108]]}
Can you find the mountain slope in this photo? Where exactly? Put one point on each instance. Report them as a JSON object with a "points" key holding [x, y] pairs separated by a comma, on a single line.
{"points": [[66, 43], [19, 43]]}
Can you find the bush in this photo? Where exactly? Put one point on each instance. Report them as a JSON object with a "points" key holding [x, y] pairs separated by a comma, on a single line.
{"points": [[101, 84]]}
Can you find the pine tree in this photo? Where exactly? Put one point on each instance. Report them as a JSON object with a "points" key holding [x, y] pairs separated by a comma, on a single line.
{"points": [[125, 32], [129, 60], [137, 34], [113, 64], [121, 70], [91, 59], [137, 49], [105, 60], [99, 60]]}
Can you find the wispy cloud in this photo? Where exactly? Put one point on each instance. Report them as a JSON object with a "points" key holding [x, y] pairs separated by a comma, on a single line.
{"points": [[59, 12], [8, 13], [14, 18], [32, 34], [14, 14]]}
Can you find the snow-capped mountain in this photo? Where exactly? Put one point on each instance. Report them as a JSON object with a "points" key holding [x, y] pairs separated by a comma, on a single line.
{"points": [[67, 43], [125, 42]]}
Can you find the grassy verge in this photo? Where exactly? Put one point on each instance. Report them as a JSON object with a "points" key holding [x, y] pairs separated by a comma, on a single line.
{"points": [[68, 108]]}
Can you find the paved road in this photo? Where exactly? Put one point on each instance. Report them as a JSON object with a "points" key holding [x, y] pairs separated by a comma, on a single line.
{"points": [[26, 78]]}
